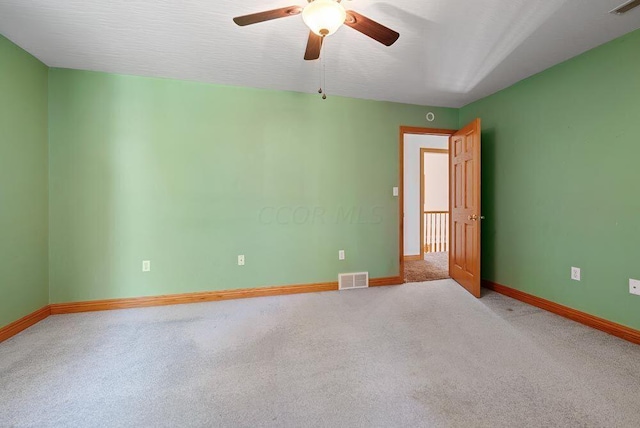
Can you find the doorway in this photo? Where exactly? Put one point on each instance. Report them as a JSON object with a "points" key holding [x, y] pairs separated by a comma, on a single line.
{"points": [[434, 217], [425, 203], [464, 237]]}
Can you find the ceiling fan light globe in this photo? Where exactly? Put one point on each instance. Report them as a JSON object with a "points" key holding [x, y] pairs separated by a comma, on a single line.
{"points": [[324, 17]]}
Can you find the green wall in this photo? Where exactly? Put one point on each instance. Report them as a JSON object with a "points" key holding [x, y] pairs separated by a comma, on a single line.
{"points": [[560, 178], [23, 183], [190, 175]]}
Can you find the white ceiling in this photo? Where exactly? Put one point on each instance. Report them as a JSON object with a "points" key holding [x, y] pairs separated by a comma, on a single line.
{"points": [[450, 52]]}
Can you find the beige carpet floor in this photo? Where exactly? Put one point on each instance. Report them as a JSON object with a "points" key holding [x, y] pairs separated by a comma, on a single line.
{"points": [[406, 356], [434, 266]]}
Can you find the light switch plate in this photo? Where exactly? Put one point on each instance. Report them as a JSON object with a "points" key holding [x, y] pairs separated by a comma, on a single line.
{"points": [[146, 266], [341, 255], [241, 260], [395, 191], [634, 287]]}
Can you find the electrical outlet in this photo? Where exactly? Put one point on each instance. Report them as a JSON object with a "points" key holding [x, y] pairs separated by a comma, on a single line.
{"points": [[634, 287], [575, 274], [341, 255], [241, 260], [146, 266]]}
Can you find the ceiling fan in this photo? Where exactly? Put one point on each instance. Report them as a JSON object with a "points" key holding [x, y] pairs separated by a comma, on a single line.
{"points": [[324, 17]]}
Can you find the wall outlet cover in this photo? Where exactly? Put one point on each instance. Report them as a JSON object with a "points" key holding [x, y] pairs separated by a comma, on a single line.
{"points": [[575, 274], [634, 287], [146, 266], [341, 255], [241, 260]]}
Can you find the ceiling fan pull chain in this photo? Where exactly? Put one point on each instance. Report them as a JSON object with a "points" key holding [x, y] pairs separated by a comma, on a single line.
{"points": [[324, 81], [324, 71], [320, 76]]}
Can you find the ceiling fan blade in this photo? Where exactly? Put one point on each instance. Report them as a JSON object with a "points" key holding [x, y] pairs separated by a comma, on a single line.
{"points": [[371, 28], [314, 45], [268, 15]]}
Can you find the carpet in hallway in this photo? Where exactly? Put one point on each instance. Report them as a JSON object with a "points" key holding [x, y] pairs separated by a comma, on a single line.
{"points": [[434, 266]]}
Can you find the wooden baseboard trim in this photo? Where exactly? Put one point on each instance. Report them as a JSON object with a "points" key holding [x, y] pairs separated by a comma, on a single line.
{"points": [[205, 296], [23, 323], [179, 299], [412, 258], [380, 282], [601, 324]]}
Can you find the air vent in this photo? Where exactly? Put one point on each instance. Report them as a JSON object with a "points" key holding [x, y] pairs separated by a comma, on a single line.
{"points": [[348, 281], [626, 7]]}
